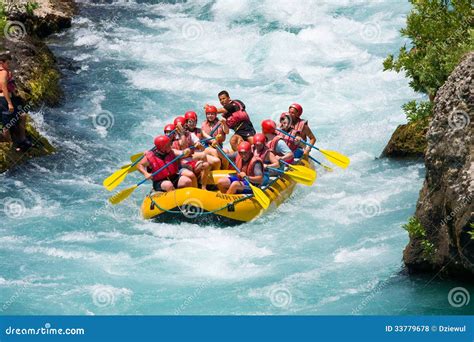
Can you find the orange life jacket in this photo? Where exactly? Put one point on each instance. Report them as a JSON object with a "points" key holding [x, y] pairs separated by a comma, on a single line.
{"points": [[207, 127], [248, 168]]}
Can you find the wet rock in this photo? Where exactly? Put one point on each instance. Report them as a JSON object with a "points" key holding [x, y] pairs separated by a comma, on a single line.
{"points": [[445, 208], [408, 141]]}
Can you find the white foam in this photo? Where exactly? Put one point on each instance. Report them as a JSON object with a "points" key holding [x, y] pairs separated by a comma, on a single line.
{"points": [[346, 255]]}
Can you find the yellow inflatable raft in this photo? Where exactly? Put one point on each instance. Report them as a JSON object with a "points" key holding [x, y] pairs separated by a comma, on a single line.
{"points": [[191, 204]]}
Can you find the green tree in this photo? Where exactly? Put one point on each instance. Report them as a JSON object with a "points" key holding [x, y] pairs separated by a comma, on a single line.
{"points": [[441, 32]]}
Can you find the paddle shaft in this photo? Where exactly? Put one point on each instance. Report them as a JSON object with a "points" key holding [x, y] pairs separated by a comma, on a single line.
{"points": [[292, 136], [231, 162], [304, 142]]}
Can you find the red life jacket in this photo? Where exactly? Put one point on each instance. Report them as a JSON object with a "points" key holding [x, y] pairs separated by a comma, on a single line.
{"points": [[237, 116], [10, 82], [298, 129], [263, 154], [289, 141], [183, 142], [272, 147], [207, 127], [157, 163], [249, 167]]}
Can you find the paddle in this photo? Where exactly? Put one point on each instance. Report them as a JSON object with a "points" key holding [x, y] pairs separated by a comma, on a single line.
{"points": [[122, 195], [327, 168], [301, 169], [260, 196], [333, 156], [297, 176]]}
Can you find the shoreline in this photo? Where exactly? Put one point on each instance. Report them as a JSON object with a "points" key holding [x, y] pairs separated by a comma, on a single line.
{"points": [[34, 66]]}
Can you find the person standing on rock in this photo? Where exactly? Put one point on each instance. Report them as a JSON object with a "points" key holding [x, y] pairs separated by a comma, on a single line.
{"points": [[12, 121], [237, 119]]}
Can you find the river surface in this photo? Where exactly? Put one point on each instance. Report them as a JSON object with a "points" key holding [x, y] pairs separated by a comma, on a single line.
{"points": [[129, 68]]}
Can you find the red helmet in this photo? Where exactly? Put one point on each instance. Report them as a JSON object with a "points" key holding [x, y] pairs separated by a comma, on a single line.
{"points": [[191, 116], [244, 146], [298, 108], [268, 126], [259, 138], [285, 115], [180, 120], [211, 109], [169, 128], [161, 142]]}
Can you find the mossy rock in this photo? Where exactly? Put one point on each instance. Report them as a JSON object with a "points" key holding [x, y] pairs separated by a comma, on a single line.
{"points": [[9, 157], [408, 141]]}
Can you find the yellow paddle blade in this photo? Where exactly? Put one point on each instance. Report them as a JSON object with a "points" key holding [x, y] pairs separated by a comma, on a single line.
{"points": [[122, 195], [260, 196], [137, 156], [115, 179], [304, 170], [336, 158], [327, 168], [301, 178]]}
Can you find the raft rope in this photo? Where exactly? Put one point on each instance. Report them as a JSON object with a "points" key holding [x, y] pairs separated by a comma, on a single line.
{"points": [[180, 211]]}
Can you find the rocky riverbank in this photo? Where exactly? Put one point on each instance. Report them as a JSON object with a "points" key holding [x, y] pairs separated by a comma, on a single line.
{"points": [[441, 232], [33, 64]]}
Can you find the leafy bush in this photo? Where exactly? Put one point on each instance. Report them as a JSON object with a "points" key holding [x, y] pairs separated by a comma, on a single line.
{"points": [[414, 228], [3, 18], [441, 32], [418, 112], [30, 7]]}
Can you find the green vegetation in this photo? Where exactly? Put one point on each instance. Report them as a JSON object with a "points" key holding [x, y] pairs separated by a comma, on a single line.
{"points": [[472, 231], [441, 32], [418, 113], [30, 7], [3, 18], [416, 230], [44, 81]]}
